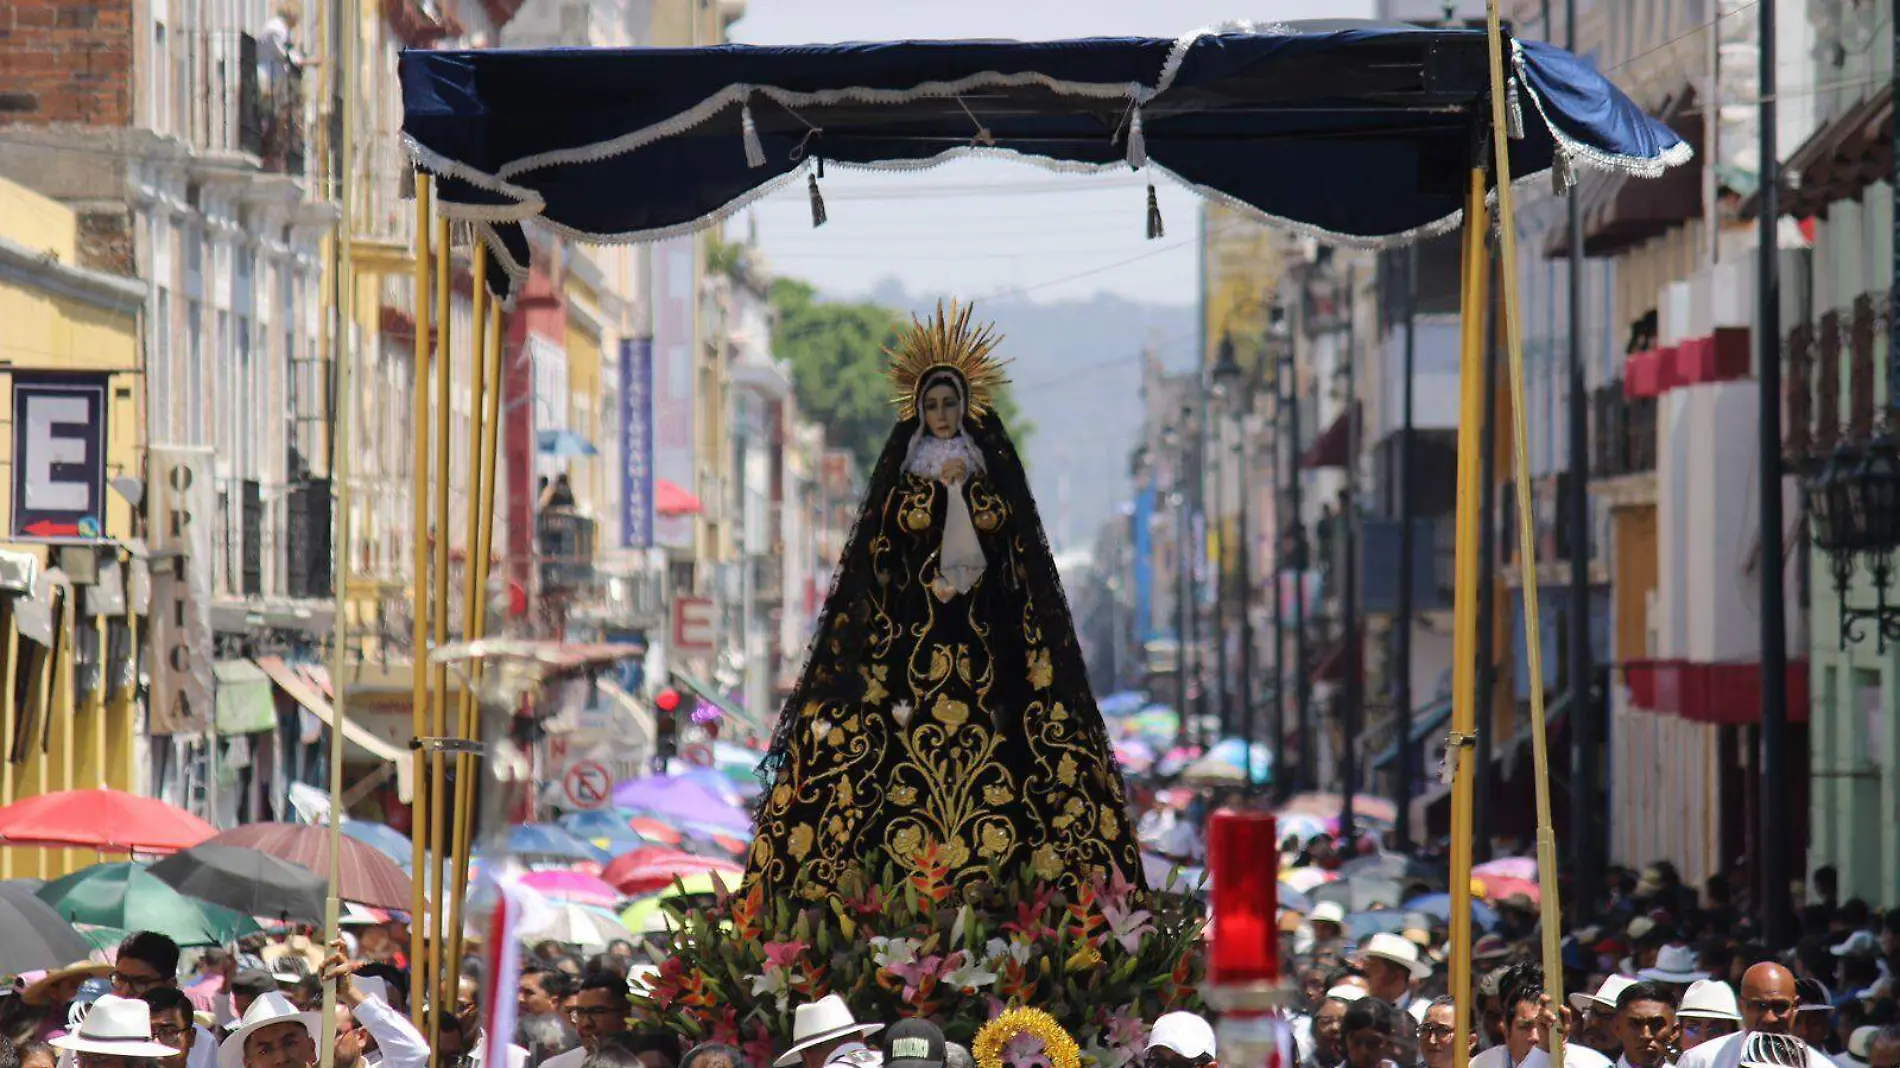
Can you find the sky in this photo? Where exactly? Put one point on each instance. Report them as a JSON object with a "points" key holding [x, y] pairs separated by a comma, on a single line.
{"points": [[991, 228]]}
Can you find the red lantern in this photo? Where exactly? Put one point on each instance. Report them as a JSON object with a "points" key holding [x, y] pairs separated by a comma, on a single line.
{"points": [[1243, 859]]}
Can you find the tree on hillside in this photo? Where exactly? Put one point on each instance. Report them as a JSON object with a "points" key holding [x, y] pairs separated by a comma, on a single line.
{"points": [[836, 350]]}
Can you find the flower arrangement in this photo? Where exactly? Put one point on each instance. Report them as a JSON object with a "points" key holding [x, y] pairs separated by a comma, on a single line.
{"points": [[1058, 1048], [1099, 960]]}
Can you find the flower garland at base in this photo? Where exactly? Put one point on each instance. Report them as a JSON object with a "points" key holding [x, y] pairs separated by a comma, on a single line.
{"points": [[1099, 960], [1057, 1047]]}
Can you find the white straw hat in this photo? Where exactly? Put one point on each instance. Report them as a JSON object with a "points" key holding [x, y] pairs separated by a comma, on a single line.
{"points": [[1606, 995], [1674, 964], [825, 1020], [1400, 951], [1710, 999], [267, 1010], [118, 1027]]}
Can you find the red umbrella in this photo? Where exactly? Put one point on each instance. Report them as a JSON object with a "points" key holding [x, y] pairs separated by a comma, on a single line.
{"points": [[368, 877], [672, 500], [644, 871], [656, 831], [109, 821]]}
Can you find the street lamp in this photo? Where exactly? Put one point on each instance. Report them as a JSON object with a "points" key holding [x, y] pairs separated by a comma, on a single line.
{"points": [[1227, 375], [1852, 508]]}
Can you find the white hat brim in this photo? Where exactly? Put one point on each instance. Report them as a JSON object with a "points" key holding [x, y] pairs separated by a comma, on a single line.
{"points": [[231, 1050], [1709, 1014], [1656, 975], [121, 1048], [1419, 969], [790, 1056]]}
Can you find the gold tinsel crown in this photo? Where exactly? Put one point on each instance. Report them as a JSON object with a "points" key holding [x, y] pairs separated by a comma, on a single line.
{"points": [[946, 342]]}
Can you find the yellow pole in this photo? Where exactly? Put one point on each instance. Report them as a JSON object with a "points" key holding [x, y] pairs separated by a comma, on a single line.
{"points": [[8, 724], [99, 706], [68, 622], [1548, 909], [127, 700], [1472, 409], [474, 587], [439, 547], [343, 282], [419, 590]]}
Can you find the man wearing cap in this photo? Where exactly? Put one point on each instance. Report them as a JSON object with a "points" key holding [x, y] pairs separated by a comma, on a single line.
{"points": [[914, 1044], [1598, 1013], [1392, 965], [1709, 1011], [1179, 1040], [115, 1030], [1814, 1016], [1768, 1003], [824, 1033]]}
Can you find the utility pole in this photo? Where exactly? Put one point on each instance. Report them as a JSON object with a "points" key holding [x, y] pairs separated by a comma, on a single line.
{"points": [[1244, 566], [1486, 679], [1402, 651], [1184, 537], [1302, 692], [1775, 855], [1584, 776], [1282, 778], [1199, 486], [1354, 690]]}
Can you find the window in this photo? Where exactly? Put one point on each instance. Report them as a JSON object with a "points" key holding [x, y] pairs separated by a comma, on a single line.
{"points": [[161, 80], [194, 374]]}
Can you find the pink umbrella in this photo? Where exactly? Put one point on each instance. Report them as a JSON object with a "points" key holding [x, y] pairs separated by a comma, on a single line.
{"points": [[1524, 868], [1499, 887], [572, 886], [644, 871]]}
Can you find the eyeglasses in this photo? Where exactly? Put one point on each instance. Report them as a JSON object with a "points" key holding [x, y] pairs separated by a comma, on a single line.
{"points": [[1771, 1006], [1437, 1032], [138, 984], [168, 1034]]}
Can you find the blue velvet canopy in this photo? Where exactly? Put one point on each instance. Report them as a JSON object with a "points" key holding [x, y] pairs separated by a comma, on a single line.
{"points": [[1357, 132]]}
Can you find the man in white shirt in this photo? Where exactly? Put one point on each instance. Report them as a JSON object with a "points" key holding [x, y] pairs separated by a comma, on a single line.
{"points": [[273, 1034], [1645, 1024], [598, 1010], [1768, 1006], [1528, 1021], [174, 1026]]}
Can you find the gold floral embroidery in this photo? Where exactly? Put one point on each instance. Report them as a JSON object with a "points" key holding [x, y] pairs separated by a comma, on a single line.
{"points": [[906, 842], [994, 841], [950, 712], [904, 795], [800, 846], [1065, 771], [1041, 674], [1045, 863], [956, 853], [1111, 824], [996, 795], [874, 676]]}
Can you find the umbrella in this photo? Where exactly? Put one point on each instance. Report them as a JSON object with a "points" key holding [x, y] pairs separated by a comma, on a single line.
{"points": [[1172, 876], [644, 871], [1222, 764], [608, 830], [1307, 879], [127, 896], [1300, 826], [1524, 868], [564, 443], [368, 877], [108, 821], [657, 831], [33, 935], [572, 886], [245, 880], [1500, 887], [716, 784], [386, 840], [551, 840], [1438, 907], [672, 499], [1361, 893], [1134, 754], [642, 916], [676, 797], [1392, 866], [1363, 925], [1124, 703], [1331, 806], [576, 925], [1157, 723]]}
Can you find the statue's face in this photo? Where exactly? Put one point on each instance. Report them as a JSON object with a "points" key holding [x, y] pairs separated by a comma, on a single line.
{"points": [[942, 410]]}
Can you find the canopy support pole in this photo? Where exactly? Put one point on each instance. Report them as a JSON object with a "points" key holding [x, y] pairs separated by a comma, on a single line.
{"points": [[1471, 408], [419, 584], [436, 535], [1548, 905]]}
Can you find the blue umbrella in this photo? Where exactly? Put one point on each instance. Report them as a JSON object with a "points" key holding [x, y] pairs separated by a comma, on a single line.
{"points": [[1125, 703], [552, 840], [564, 443], [1438, 907], [1363, 925], [383, 838], [609, 825]]}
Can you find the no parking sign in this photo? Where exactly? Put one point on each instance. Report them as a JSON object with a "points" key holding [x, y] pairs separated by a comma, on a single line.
{"points": [[587, 786]]}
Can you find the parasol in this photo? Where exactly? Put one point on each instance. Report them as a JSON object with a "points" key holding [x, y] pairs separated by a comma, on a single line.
{"points": [[387, 840], [674, 797], [645, 871], [127, 896], [552, 841], [646, 914], [1524, 868], [1501, 887], [1395, 866], [244, 880], [33, 935], [572, 886], [367, 876], [1438, 907], [575, 925], [108, 821]]}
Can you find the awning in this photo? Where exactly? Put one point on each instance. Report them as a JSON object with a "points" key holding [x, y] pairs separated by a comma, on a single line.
{"points": [[1619, 213], [1425, 721], [1727, 692], [302, 691], [1331, 447], [1351, 129], [1839, 160], [244, 703], [670, 500], [710, 694], [564, 443]]}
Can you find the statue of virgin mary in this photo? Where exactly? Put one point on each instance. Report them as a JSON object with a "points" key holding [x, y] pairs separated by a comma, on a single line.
{"points": [[944, 718]]}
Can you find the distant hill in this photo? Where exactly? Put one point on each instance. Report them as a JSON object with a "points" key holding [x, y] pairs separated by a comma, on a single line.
{"points": [[1077, 375]]}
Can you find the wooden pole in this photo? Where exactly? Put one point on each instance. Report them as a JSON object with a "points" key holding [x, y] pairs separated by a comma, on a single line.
{"points": [[9, 724], [1548, 909], [438, 536], [1464, 605], [419, 590]]}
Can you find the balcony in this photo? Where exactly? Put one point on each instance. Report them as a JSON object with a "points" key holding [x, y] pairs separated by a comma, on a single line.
{"points": [[1820, 360], [566, 550], [1625, 440], [270, 107]]}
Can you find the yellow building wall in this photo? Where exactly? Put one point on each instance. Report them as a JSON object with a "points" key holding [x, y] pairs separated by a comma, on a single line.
{"points": [[90, 742], [584, 396]]}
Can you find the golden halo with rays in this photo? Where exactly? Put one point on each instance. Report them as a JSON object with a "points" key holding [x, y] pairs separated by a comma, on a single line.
{"points": [[946, 341]]}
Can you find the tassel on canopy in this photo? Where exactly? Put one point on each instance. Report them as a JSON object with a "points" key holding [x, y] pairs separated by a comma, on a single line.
{"points": [[1513, 112], [406, 184], [1563, 174], [817, 200], [754, 151], [1137, 142], [1155, 229]]}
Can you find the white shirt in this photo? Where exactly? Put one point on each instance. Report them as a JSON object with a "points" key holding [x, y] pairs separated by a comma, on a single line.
{"points": [[1726, 1052], [1576, 1055], [1624, 1062], [571, 1059], [400, 1044], [478, 1056]]}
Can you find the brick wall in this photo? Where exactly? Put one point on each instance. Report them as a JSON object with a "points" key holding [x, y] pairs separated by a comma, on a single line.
{"points": [[66, 61], [105, 242]]}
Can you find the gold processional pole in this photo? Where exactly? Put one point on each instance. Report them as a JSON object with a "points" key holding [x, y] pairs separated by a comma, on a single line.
{"points": [[343, 281], [438, 535], [1548, 910], [1473, 408], [419, 591], [484, 429]]}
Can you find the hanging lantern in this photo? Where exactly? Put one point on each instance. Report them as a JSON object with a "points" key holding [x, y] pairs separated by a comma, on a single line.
{"points": [[1878, 479], [1829, 506]]}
